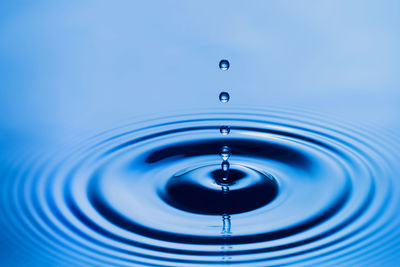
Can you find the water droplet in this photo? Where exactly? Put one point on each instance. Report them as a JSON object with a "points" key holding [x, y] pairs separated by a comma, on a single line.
{"points": [[226, 224], [224, 97], [225, 130], [225, 153], [225, 189], [225, 166], [225, 170], [224, 64]]}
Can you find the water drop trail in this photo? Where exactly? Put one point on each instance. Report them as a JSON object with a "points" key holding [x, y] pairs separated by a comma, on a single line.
{"points": [[225, 172]]}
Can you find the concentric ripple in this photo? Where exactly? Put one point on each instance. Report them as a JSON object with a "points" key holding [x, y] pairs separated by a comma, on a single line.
{"points": [[302, 192]]}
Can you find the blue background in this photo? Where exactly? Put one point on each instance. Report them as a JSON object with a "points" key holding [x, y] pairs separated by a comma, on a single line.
{"points": [[73, 66]]}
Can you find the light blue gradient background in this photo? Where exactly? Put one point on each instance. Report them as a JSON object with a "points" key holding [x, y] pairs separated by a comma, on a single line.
{"points": [[71, 68]]}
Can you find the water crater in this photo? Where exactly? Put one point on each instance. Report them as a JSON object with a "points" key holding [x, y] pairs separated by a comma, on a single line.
{"points": [[199, 190]]}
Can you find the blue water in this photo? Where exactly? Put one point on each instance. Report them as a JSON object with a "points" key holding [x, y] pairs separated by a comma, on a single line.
{"points": [[111, 146], [304, 191]]}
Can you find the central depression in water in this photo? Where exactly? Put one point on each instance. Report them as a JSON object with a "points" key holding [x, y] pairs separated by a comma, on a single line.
{"points": [[299, 192]]}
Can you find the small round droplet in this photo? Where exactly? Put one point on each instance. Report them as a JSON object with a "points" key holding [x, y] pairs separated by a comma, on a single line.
{"points": [[225, 189], [224, 97], [225, 166], [224, 64], [225, 153], [225, 130]]}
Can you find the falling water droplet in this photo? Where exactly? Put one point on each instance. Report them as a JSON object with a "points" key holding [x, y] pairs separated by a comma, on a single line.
{"points": [[225, 153], [225, 189], [225, 174], [226, 224], [225, 130], [224, 64], [224, 97], [225, 166]]}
